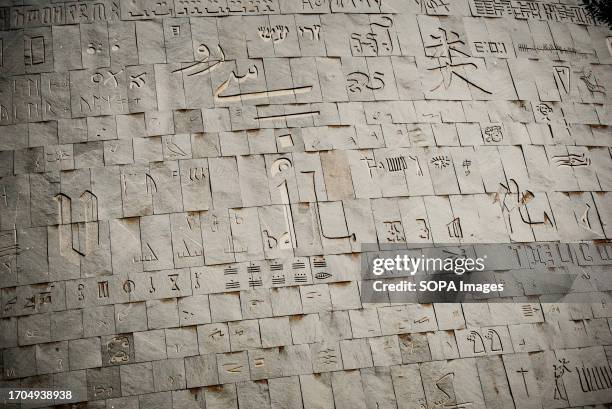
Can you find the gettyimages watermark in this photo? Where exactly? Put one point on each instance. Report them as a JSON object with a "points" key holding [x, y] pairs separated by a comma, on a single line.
{"points": [[554, 272], [411, 264]]}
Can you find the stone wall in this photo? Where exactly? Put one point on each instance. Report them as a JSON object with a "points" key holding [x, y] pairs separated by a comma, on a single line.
{"points": [[187, 187]]}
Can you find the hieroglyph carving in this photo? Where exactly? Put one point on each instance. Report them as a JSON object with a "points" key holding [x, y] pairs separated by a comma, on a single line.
{"points": [[85, 236]]}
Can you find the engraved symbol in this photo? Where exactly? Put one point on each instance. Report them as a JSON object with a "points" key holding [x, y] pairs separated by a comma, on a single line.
{"points": [[350, 236], [174, 148], [103, 289], [572, 160], [152, 289], [174, 280], [103, 324], [466, 167], [189, 252], [477, 342], [446, 385], [396, 164], [253, 73], [216, 333], [253, 280], [327, 356], [236, 218], [493, 47], [493, 133], [214, 225], [300, 265], [371, 164], [122, 315], [275, 34], [255, 302], [30, 302], [278, 279], [231, 284], [204, 66], [417, 164], [293, 115], [286, 141], [559, 371], [9, 306], [431, 6], [176, 30], [118, 348], [58, 155], [312, 294], [34, 50], [103, 391], [129, 286], [148, 257], [441, 162], [232, 367], [300, 278], [562, 79], [424, 230], [9, 249], [313, 31], [395, 231], [520, 205], [174, 379], [94, 48], [585, 221], [376, 42], [495, 343], [31, 333], [312, 3], [523, 371], [454, 228], [98, 78], [594, 379], [528, 310], [234, 246], [288, 240], [450, 59], [357, 81], [198, 174], [137, 81], [545, 110]]}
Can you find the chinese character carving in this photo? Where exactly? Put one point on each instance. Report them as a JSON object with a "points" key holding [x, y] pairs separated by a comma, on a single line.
{"points": [[445, 49]]}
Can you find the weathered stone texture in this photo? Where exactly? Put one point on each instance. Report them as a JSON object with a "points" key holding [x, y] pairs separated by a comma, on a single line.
{"points": [[186, 188]]}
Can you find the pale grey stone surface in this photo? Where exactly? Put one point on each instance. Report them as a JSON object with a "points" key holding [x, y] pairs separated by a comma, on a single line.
{"points": [[187, 189]]}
